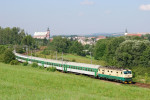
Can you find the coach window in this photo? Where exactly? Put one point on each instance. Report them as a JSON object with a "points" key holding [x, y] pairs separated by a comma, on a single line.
{"points": [[111, 71], [79, 68], [121, 72], [108, 70], [91, 70]]}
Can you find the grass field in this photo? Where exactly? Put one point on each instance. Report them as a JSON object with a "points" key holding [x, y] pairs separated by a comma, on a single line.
{"points": [[27, 83]]}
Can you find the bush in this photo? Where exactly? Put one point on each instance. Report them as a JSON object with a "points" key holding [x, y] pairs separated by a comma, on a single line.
{"points": [[14, 62], [20, 50], [35, 65], [51, 69], [73, 60], [146, 77], [82, 54], [8, 56], [41, 67], [2, 49], [1, 58], [45, 52], [25, 63]]}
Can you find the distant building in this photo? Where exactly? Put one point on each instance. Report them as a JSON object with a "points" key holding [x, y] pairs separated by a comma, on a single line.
{"points": [[134, 35], [126, 32], [137, 34], [100, 37], [42, 35]]}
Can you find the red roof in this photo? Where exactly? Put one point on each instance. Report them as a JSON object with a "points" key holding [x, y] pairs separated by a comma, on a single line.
{"points": [[102, 37], [134, 35]]}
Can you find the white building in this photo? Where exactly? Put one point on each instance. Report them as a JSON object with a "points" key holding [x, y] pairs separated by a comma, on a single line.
{"points": [[42, 35]]}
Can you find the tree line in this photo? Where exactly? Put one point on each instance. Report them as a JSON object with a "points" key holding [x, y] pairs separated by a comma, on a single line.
{"points": [[125, 51], [11, 35], [65, 45]]}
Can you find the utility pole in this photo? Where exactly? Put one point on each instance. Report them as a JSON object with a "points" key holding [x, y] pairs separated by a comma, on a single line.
{"points": [[91, 56], [31, 51], [27, 49], [56, 55], [62, 56], [62, 61]]}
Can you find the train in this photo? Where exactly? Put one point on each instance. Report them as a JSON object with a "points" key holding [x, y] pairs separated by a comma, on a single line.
{"points": [[98, 71]]}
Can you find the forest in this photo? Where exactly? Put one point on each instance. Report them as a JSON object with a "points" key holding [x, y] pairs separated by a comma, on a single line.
{"points": [[125, 51]]}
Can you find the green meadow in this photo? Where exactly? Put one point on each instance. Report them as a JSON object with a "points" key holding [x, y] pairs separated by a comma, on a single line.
{"points": [[19, 82]]}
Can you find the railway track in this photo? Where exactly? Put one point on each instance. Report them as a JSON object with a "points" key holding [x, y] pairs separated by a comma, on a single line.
{"points": [[143, 85]]}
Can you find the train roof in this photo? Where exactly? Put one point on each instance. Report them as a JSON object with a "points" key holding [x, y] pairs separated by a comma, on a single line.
{"points": [[61, 62], [113, 68]]}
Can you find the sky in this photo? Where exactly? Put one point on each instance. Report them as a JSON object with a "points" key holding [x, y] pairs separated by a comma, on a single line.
{"points": [[80, 17]]}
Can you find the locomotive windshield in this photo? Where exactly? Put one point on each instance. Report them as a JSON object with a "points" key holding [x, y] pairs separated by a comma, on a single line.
{"points": [[127, 72]]}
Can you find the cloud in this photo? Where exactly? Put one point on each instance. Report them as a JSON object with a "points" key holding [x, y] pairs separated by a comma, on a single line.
{"points": [[145, 7], [87, 2]]}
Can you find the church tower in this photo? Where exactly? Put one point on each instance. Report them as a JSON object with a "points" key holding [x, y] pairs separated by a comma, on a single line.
{"points": [[126, 32], [48, 34]]}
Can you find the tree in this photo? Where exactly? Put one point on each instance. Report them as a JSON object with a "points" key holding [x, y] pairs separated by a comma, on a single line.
{"points": [[8, 56], [113, 44], [11, 35], [60, 44], [131, 53], [145, 58], [45, 42], [2, 50], [76, 48], [28, 40], [100, 48]]}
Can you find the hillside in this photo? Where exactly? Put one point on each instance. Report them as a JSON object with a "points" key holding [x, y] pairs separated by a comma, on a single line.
{"points": [[27, 83]]}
